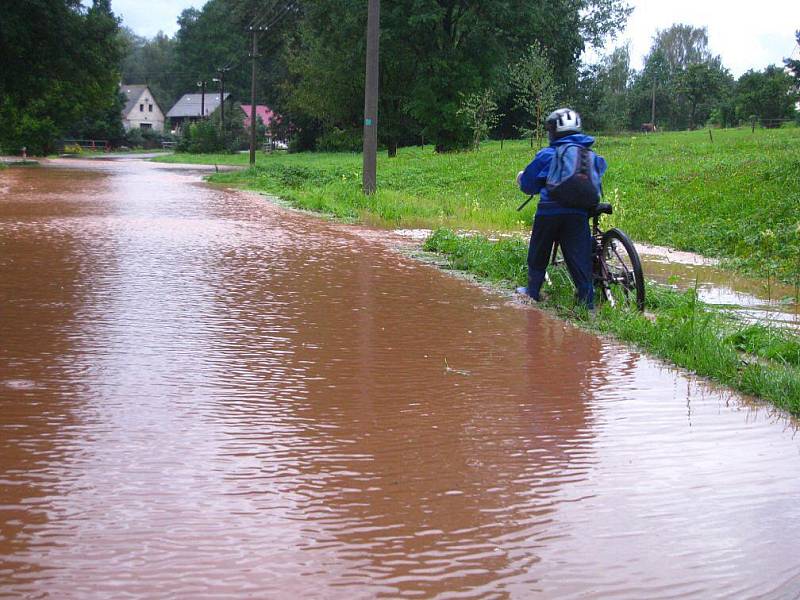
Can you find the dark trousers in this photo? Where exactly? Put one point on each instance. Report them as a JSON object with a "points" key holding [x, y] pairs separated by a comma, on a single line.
{"points": [[575, 240]]}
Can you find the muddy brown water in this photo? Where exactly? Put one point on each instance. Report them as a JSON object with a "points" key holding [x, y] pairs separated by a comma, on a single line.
{"points": [[205, 395]]}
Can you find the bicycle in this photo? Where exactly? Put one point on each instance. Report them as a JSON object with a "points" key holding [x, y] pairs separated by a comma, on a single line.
{"points": [[616, 266]]}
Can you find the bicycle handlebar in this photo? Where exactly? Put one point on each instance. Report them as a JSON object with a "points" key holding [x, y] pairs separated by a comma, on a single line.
{"points": [[524, 204]]}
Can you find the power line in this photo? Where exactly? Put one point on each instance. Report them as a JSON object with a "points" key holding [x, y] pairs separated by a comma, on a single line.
{"points": [[265, 24], [269, 21], [261, 18]]}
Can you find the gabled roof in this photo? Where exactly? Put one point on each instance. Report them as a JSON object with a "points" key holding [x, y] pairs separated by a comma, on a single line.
{"points": [[189, 105], [263, 112], [132, 95]]}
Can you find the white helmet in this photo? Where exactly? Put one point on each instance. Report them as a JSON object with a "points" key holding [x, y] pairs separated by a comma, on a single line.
{"points": [[562, 122]]}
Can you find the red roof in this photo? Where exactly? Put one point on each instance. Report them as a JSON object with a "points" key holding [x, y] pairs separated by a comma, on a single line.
{"points": [[262, 112]]}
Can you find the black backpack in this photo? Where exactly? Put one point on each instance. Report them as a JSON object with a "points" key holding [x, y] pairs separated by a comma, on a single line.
{"points": [[573, 179]]}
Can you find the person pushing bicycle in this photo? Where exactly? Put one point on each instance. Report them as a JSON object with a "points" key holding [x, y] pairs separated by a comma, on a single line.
{"points": [[565, 219]]}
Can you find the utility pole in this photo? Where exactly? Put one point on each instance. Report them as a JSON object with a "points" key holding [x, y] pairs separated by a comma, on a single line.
{"points": [[222, 102], [221, 80], [264, 25], [653, 105], [371, 99], [253, 101], [202, 86]]}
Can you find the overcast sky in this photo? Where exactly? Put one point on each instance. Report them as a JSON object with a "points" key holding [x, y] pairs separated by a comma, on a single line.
{"points": [[747, 35]]}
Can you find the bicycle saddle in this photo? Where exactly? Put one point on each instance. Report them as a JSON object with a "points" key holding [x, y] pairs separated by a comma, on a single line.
{"points": [[601, 209]]}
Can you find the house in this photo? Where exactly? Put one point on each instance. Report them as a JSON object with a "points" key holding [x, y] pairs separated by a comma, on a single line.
{"points": [[263, 114], [141, 109], [188, 108]]}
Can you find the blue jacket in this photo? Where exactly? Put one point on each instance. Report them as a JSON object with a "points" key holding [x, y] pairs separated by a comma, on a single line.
{"points": [[534, 176]]}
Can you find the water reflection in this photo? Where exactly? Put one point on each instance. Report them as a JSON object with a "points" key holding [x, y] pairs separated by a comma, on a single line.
{"points": [[41, 297]]}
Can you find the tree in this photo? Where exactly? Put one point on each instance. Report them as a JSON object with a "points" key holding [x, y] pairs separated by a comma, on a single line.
{"points": [[151, 62], [100, 123], [681, 81], [211, 44], [767, 95], [430, 55], [683, 45], [653, 97], [479, 111], [794, 66], [703, 85], [611, 80], [317, 86], [215, 43], [535, 89], [60, 65]]}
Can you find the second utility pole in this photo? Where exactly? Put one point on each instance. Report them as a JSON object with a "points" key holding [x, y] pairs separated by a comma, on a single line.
{"points": [[371, 99], [253, 104], [202, 86], [653, 105], [221, 80]]}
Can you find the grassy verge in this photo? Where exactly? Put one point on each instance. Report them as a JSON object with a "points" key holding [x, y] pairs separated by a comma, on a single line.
{"points": [[734, 198], [184, 158], [88, 153], [28, 162], [752, 358]]}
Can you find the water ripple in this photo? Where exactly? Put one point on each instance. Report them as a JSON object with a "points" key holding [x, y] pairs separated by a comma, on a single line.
{"points": [[204, 396]]}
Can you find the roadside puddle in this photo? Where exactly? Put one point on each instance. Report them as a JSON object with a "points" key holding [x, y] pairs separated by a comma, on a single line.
{"points": [[754, 299]]}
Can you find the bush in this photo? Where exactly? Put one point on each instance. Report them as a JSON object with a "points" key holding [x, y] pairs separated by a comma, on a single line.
{"points": [[134, 138], [296, 144], [151, 138], [144, 138], [204, 137], [200, 138], [18, 129], [340, 140]]}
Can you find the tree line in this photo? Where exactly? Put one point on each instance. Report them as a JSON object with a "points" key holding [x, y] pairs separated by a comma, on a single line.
{"points": [[434, 54], [60, 73], [456, 71], [683, 86], [452, 71]]}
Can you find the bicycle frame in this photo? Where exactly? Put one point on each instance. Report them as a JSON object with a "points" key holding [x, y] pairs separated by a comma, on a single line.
{"points": [[611, 247], [597, 246]]}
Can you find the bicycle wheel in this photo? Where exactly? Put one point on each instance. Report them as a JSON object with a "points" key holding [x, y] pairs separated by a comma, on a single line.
{"points": [[621, 278]]}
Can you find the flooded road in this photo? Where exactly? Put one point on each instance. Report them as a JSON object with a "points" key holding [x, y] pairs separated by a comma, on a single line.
{"points": [[204, 395]]}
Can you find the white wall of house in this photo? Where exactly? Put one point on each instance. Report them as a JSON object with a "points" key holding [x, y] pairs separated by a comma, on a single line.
{"points": [[145, 114]]}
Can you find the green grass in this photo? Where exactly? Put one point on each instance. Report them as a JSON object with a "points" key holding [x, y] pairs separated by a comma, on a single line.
{"points": [[89, 153], [185, 158], [737, 198], [753, 358]]}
